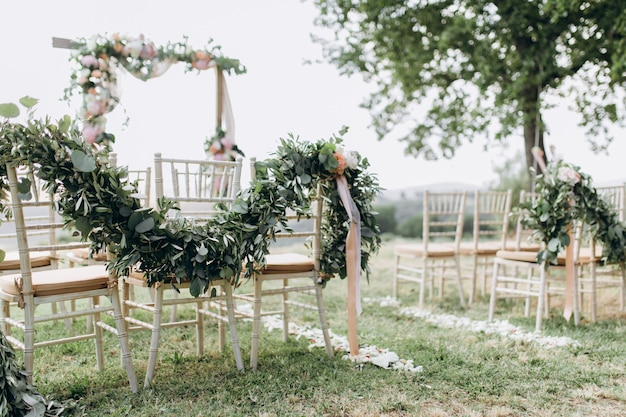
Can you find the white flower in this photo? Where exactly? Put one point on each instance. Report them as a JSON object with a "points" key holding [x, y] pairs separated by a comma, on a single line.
{"points": [[352, 159], [568, 174], [134, 48]]}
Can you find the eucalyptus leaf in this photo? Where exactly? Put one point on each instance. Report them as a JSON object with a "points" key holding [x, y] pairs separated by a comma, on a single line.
{"points": [[9, 110], [82, 162], [145, 225], [28, 102]]}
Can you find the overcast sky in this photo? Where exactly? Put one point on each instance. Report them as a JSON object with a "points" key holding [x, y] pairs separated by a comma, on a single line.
{"points": [[279, 94]]}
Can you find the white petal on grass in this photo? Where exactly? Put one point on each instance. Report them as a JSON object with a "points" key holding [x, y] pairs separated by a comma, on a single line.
{"points": [[497, 327], [367, 353]]}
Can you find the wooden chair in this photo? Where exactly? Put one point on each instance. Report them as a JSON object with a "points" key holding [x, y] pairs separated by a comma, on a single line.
{"points": [[490, 228], [31, 288], [142, 179], [293, 267], [517, 274], [43, 260], [443, 214], [197, 186], [593, 275]]}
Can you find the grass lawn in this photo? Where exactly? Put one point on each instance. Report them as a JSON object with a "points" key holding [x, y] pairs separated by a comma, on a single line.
{"points": [[465, 372]]}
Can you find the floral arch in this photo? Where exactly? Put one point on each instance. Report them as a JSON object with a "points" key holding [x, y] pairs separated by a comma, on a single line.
{"points": [[98, 60]]}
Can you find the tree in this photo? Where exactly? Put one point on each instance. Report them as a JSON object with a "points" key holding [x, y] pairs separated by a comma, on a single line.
{"points": [[482, 68]]}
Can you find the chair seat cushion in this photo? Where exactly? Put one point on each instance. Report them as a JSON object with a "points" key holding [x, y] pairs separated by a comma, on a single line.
{"points": [[12, 261], [511, 245], [287, 263], [60, 281], [434, 249], [83, 253], [483, 248]]}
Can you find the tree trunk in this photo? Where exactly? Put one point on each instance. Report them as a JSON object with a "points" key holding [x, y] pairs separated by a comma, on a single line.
{"points": [[533, 130]]}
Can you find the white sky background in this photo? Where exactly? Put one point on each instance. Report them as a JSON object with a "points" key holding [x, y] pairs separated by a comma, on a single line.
{"points": [[278, 95]]}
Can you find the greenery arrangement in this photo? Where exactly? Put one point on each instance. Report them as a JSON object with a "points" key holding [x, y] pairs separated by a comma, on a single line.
{"points": [[97, 200], [95, 62], [567, 195]]}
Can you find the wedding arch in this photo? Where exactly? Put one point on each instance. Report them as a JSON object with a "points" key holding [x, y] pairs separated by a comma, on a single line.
{"points": [[98, 60]]}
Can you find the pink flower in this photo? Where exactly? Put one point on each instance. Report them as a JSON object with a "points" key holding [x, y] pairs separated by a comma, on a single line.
{"points": [[200, 64], [89, 61], [90, 133], [95, 107], [219, 156], [227, 143]]}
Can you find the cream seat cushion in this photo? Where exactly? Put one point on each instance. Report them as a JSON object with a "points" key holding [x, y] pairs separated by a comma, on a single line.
{"points": [[11, 261], [60, 281], [287, 263], [434, 249]]}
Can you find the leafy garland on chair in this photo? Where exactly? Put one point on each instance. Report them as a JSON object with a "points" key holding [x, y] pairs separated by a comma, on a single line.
{"points": [[567, 194], [97, 200]]}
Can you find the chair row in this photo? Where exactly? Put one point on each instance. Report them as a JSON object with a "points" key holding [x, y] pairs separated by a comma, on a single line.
{"points": [[198, 187], [494, 250]]}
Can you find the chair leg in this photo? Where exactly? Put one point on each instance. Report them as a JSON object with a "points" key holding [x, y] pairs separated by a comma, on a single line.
{"points": [[256, 323], [97, 330], [29, 337], [494, 285], [232, 324], [156, 330], [457, 262], [199, 327], [541, 298], [473, 278], [122, 336], [285, 311]]}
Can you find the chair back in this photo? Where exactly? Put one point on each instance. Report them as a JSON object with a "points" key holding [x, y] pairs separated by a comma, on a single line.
{"points": [[614, 196], [491, 216], [35, 223], [522, 234], [142, 178], [304, 229], [443, 214], [197, 186]]}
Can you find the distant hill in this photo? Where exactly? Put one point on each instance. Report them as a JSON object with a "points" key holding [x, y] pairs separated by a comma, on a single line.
{"points": [[412, 193]]}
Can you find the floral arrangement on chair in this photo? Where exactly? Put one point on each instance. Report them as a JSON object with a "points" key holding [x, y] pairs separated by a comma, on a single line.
{"points": [[220, 147], [567, 194], [96, 200], [97, 59]]}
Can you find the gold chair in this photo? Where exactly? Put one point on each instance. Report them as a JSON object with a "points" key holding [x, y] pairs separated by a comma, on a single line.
{"points": [[198, 186], [31, 288], [292, 268], [594, 276], [517, 274], [443, 214], [490, 228]]}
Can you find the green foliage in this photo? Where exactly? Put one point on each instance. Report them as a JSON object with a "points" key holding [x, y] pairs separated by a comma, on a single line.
{"points": [[95, 199], [17, 396], [472, 63], [386, 218]]}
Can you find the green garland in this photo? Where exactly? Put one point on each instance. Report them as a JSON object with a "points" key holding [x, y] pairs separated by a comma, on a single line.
{"points": [[96, 199], [565, 195]]}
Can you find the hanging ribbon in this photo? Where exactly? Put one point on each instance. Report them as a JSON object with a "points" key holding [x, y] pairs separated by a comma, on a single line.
{"points": [[353, 262]]}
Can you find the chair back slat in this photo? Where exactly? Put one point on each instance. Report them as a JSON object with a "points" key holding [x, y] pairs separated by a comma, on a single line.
{"points": [[614, 196], [197, 185], [443, 214], [491, 212]]}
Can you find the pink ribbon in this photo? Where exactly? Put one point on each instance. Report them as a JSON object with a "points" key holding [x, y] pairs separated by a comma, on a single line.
{"points": [[353, 262]]}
